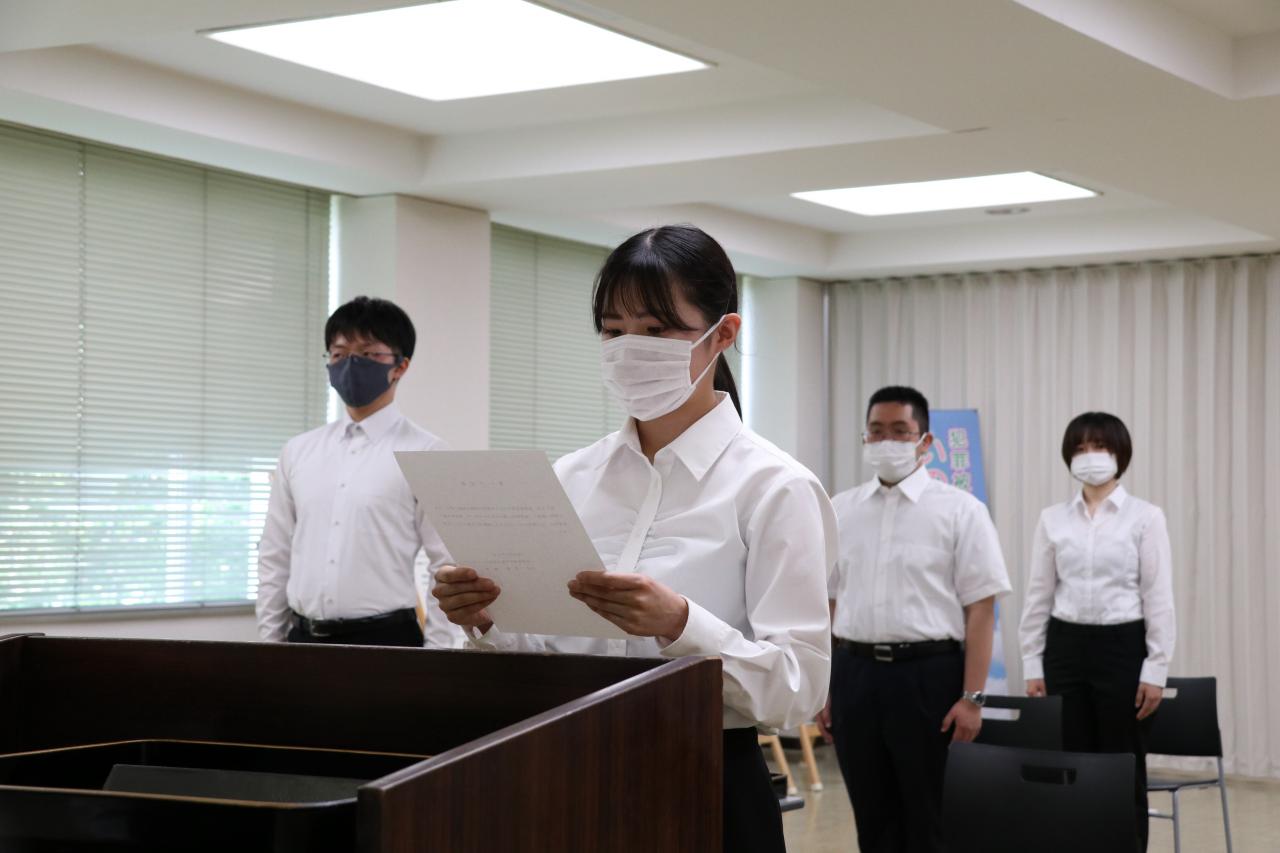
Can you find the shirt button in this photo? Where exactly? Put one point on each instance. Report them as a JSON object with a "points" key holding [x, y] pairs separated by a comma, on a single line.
{"points": [[336, 523], [342, 485], [331, 560]]}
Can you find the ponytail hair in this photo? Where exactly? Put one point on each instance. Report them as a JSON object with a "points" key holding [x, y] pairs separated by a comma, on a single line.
{"points": [[641, 275], [724, 381]]}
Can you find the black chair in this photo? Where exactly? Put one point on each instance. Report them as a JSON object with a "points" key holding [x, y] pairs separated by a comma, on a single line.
{"points": [[786, 802], [1032, 723], [1187, 724], [1000, 799]]}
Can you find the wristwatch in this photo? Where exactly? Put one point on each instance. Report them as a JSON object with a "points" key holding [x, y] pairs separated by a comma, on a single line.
{"points": [[977, 697]]}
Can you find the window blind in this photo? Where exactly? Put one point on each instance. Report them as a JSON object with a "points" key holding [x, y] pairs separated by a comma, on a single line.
{"points": [[164, 324], [545, 385]]}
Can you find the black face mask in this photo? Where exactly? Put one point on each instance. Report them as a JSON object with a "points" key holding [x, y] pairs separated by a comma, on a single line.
{"points": [[359, 380]]}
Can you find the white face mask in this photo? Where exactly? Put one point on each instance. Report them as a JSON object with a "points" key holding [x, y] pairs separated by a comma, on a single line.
{"points": [[649, 375], [893, 461], [1096, 469]]}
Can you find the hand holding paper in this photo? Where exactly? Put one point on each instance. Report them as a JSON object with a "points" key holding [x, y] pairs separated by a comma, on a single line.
{"points": [[464, 595], [637, 604], [503, 514]]}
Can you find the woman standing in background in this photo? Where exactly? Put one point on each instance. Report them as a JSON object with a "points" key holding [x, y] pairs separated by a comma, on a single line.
{"points": [[1098, 624]]}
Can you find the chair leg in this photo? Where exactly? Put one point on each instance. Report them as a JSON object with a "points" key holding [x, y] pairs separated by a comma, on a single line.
{"points": [[808, 732], [1177, 827], [780, 758], [1226, 819]]}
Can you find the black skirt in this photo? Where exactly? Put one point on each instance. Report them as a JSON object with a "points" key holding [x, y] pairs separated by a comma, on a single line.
{"points": [[752, 817]]}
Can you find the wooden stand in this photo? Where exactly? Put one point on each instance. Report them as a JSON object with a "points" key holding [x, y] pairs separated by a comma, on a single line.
{"points": [[526, 752]]}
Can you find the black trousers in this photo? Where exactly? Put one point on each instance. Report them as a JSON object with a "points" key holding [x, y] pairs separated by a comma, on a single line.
{"points": [[1096, 669], [887, 723], [752, 818], [399, 634]]}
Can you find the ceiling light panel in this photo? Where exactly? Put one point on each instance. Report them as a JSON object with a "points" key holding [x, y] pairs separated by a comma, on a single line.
{"points": [[952, 194], [462, 49]]}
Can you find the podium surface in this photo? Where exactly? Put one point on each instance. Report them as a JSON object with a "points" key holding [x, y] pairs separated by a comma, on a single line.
{"points": [[149, 745]]}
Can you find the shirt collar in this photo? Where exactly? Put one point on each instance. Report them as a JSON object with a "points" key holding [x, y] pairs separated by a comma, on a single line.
{"points": [[699, 446], [1117, 499], [911, 488], [376, 425]]}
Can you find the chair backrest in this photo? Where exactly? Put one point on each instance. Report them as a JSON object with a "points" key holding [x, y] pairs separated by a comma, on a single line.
{"points": [[1000, 799], [1186, 723], [1036, 723]]}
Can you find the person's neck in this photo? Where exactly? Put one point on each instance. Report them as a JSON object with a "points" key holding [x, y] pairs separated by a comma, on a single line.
{"points": [[358, 414], [659, 432], [1095, 495]]}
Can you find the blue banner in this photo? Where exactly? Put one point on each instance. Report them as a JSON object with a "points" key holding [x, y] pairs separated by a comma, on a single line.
{"points": [[956, 455], [956, 458]]}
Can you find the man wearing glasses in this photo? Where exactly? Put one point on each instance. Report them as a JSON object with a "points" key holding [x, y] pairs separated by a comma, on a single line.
{"points": [[913, 612], [336, 559]]}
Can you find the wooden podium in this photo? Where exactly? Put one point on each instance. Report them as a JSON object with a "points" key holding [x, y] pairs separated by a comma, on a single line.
{"points": [[145, 745]]}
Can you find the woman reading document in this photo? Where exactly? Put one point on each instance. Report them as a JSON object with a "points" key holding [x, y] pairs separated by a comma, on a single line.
{"points": [[715, 541]]}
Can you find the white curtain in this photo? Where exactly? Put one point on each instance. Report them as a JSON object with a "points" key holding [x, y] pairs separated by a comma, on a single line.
{"points": [[1187, 353]]}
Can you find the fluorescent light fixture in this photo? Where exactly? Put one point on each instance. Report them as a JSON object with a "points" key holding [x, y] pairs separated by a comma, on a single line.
{"points": [[952, 194], [455, 49]]}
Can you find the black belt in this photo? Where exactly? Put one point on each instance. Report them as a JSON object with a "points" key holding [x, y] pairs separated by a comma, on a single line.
{"points": [[891, 652], [338, 627]]}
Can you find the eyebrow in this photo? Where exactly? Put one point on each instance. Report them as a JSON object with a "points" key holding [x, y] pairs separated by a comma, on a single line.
{"points": [[645, 315]]}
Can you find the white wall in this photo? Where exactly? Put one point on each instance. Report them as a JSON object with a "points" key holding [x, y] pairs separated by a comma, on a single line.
{"points": [[782, 364], [433, 261], [233, 624]]}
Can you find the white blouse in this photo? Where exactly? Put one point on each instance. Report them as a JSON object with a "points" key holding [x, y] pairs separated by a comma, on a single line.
{"points": [[1112, 568], [740, 529]]}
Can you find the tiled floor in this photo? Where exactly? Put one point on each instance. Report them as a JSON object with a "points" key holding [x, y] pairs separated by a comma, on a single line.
{"points": [[825, 824]]}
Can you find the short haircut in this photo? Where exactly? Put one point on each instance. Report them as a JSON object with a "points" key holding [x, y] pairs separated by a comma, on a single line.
{"points": [[1102, 429], [378, 319], [907, 396]]}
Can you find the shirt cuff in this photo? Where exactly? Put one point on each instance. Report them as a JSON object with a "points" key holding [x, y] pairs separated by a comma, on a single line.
{"points": [[997, 589], [1154, 673], [704, 634], [1033, 667], [488, 641]]}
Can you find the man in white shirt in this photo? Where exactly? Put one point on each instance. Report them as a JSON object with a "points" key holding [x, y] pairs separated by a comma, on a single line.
{"points": [[913, 609], [336, 559]]}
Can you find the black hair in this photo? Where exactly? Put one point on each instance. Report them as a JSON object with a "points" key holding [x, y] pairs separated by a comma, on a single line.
{"points": [[908, 397], [640, 277], [1102, 429], [370, 317]]}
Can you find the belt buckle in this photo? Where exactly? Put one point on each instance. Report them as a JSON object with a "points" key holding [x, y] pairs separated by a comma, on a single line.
{"points": [[883, 653], [314, 630]]}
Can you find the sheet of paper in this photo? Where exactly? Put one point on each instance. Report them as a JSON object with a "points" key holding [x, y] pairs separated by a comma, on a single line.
{"points": [[504, 514]]}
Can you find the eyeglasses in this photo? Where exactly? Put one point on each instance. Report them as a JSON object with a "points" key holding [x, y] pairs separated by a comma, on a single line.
{"points": [[381, 357], [878, 435]]}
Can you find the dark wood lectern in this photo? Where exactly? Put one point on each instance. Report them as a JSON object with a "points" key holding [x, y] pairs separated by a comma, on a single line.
{"points": [[144, 745]]}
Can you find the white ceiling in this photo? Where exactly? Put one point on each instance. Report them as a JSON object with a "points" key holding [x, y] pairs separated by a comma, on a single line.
{"points": [[1164, 106], [1234, 17]]}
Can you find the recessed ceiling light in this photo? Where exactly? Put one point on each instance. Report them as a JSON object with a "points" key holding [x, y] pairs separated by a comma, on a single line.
{"points": [[952, 194], [455, 49]]}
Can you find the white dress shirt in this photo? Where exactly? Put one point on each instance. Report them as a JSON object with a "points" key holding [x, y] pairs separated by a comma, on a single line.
{"points": [[1112, 568], [912, 557], [343, 528], [740, 529]]}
